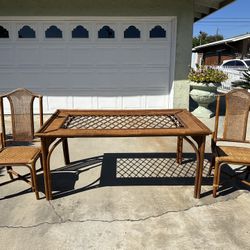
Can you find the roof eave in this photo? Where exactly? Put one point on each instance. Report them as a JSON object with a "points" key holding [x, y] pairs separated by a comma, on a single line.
{"points": [[204, 8], [228, 40]]}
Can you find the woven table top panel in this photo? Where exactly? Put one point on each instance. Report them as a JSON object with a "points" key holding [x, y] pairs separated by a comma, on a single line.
{"points": [[122, 122]]}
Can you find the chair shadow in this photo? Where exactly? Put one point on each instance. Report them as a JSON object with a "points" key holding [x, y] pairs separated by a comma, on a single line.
{"points": [[28, 190], [230, 181], [63, 179]]}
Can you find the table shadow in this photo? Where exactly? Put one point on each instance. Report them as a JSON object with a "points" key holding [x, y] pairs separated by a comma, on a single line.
{"points": [[150, 169], [121, 169]]}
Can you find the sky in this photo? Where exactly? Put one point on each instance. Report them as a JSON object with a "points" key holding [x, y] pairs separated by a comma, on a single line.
{"points": [[232, 20]]}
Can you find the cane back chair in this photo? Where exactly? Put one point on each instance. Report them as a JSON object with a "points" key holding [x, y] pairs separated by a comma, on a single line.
{"points": [[13, 152], [224, 149]]}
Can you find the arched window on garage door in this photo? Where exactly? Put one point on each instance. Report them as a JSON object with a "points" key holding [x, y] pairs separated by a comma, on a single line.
{"points": [[26, 32], [53, 32], [106, 32], [132, 32], [157, 32], [80, 32], [4, 33]]}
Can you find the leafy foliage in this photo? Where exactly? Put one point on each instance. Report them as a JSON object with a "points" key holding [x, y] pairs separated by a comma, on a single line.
{"points": [[206, 75], [204, 38], [244, 82]]}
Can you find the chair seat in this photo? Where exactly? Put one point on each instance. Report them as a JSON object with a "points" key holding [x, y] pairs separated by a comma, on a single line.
{"points": [[233, 154], [18, 155]]}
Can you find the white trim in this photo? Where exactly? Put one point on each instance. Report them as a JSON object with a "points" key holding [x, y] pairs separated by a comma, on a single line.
{"points": [[87, 18], [172, 58]]}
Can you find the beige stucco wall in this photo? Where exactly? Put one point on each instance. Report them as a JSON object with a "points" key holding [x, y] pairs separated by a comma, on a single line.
{"points": [[182, 9]]}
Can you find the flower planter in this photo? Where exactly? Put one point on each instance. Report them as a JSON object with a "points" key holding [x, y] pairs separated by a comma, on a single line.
{"points": [[203, 95]]}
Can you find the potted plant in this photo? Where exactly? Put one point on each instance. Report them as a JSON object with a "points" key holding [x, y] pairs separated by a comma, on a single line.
{"points": [[204, 83], [244, 82]]}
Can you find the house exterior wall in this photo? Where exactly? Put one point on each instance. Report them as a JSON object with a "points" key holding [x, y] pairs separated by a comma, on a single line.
{"points": [[217, 59], [215, 55], [182, 9]]}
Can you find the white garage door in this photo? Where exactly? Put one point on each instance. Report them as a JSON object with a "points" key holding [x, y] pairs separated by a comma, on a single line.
{"points": [[101, 63]]}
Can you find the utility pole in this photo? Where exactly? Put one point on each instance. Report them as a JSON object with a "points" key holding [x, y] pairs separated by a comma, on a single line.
{"points": [[217, 33]]}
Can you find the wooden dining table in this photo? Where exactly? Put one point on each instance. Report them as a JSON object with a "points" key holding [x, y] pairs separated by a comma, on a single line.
{"points": [[70, 123]]}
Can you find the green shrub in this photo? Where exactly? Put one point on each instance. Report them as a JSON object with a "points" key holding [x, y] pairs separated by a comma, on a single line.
{"points": [[206, 75], [244, 82]]}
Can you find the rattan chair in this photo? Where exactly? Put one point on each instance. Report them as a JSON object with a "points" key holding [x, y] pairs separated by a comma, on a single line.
{"points": [[225, 149], [13, 152]]}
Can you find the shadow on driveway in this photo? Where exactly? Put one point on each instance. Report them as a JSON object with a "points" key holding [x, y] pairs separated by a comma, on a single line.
{"points": [[122, 169]]}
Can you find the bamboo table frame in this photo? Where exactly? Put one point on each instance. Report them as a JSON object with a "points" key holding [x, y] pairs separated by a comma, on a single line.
{"points": [[122, 123]]}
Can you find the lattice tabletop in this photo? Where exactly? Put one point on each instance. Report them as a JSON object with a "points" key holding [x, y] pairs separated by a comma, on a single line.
{"points": [[122, 122]]}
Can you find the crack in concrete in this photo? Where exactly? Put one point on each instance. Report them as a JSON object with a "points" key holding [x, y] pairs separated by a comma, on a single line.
{"points": [[57, 214], [115, 220]]}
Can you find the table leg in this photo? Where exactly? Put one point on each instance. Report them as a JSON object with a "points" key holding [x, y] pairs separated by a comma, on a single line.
{"points": [[201, 141], [179, 149], [45, 167], [65, 150]]}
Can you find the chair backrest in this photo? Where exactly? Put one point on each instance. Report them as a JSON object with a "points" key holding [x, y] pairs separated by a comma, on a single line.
{"points": [[22, 118], [236, 116]]}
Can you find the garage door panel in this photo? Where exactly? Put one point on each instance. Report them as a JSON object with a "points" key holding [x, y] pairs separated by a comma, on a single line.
{"points": [[29, 78], [84, 102], [6, 55], [157, 56], [144, 78], [54, 56], [81, 56], [8, 79], [28, 55], [83, 79], [106, 56], [123, 80], [109, 102], [109, 78], [58, 102], [156, 101], [130, 56], [56, 79], [133, 102]]}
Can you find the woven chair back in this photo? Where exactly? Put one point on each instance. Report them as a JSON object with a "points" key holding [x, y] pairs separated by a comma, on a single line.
{"points": [[22, 118], [236, 117]]}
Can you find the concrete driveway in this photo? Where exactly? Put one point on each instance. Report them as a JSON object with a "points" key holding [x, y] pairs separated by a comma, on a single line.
{"points": [[148, 204]]}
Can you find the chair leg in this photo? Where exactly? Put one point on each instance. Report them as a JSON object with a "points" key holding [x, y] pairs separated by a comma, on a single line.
{"points": [[9, 169], [212, 163], [34, 180], [216, 178]]}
